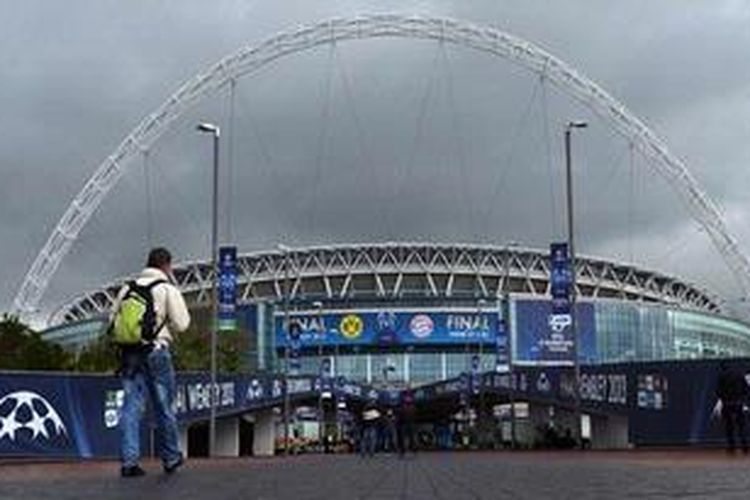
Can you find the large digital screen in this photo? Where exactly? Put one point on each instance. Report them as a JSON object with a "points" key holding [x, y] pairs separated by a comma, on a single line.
{"points": [[542, 338]]}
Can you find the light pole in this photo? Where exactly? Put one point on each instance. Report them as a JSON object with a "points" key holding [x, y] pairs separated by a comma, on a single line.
{"points": [[321, 419], [571, 249], [215, 131], [285, 253], [480, 415], [509, 347]]}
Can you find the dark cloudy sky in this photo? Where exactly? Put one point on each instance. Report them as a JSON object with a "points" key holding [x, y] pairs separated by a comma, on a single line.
{"points": [[377, 140]]}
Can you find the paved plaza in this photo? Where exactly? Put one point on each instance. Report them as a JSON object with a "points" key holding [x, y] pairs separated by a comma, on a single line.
{"points": [[549, 475]]}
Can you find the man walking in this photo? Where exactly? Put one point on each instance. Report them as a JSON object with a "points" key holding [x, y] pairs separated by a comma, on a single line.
{"points": [[406, 434], [369, 432], [732, 390], [146, 363]]}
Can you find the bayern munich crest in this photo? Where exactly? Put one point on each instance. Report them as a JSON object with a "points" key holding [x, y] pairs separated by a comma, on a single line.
{"points": [[421, 326]]}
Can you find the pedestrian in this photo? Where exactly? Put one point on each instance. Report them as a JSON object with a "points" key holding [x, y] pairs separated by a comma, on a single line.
{"points": [[406, 434], [370, 418], [732, 391], [390, 435], [146, 363]]}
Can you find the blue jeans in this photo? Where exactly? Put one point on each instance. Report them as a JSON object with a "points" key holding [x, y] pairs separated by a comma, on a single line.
{"points": [[150, 374], [368, 439]]}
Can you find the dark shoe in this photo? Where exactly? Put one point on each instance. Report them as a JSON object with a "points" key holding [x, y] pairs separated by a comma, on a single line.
{"points": [[132, 471], [169, 469]]}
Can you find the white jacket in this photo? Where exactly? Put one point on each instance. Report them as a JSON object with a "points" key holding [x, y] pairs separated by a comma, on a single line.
{"points": [[169, 305]]}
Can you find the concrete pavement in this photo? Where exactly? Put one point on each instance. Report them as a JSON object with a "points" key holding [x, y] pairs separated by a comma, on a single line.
{"points": [[471, 475]]}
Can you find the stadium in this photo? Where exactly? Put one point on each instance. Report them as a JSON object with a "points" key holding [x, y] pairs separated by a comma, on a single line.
{"points": [[412, 314]]}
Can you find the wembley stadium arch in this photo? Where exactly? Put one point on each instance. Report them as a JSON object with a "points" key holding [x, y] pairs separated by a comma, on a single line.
{"points": [[485, 39]]}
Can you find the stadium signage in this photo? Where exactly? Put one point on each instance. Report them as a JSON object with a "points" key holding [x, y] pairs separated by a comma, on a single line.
{"points": [[197, 396], [609, 388], [227, 289], [399, 327]]}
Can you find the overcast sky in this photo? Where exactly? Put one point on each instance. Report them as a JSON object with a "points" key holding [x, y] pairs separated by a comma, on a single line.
{"points": [[376, 140]]}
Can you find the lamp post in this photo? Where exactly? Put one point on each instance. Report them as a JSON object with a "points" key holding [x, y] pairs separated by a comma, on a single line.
{"points": [[210, 128], [285, 253], [319, 327], [571, 249], [509, 336], [481, 412]]}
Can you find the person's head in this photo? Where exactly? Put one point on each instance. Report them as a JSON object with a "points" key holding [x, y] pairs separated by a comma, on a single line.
{"points": [[160, 258]]}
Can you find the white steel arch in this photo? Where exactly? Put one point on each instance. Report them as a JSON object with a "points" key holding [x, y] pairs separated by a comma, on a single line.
{"points": [[482, 38], [409, 271]]}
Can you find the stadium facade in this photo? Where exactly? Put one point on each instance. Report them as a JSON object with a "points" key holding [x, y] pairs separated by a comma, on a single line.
{"points": [[418, 313]]}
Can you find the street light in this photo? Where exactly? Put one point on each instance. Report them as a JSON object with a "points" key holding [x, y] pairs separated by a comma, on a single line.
{"points": [[215, 131], [509, 346], [285, 253], [319, 329], [481, 419], [574, 330]]}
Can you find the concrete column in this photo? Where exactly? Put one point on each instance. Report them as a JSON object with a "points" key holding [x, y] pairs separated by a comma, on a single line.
{"points": [[609, 432], [228, 437], [264, 433]]}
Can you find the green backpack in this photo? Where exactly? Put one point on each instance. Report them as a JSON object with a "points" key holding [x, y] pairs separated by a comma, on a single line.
{"points": [[135, 320]]}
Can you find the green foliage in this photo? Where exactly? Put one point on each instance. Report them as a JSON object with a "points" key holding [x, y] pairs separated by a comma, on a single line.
{"points": [[192, 349], [21, 348], [99, 356], [232, 352]]}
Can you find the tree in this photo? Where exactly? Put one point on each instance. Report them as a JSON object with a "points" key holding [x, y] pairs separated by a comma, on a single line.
{"points": [[22, 348], [98, 356], [192, 349]]}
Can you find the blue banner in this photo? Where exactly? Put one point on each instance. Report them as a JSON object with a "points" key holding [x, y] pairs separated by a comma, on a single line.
{"points": [[561, 278], [502, 347], [543, 338], [295, 345], [227, 289], [389, 327], [78, 416]]}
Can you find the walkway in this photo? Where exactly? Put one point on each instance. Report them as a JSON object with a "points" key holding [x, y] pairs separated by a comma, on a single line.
{"points": [[590, 475]]}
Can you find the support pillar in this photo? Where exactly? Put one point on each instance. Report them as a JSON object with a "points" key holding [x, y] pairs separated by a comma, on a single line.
{"points": [[264, 434]]}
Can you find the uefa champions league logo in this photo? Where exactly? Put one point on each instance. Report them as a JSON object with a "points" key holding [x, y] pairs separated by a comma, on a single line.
{"points": [[28, 410], [387, 329]]}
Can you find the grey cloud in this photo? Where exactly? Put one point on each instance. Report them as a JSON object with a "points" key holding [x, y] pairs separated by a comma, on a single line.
{"points": [[78, 76]]}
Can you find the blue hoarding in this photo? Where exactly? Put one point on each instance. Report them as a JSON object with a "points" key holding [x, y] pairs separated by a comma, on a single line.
{"points": [[394, 327], [542, 338]]}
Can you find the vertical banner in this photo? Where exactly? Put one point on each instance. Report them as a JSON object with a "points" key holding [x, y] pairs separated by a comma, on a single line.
{"points": [[227, 289], [560, 278], [295, 346], [475, 374], [502, 341], [559, 344], [464, 389], [325, 376]]}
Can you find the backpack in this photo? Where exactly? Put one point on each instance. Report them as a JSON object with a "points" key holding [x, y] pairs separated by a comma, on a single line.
{"points": [[135, 320]]}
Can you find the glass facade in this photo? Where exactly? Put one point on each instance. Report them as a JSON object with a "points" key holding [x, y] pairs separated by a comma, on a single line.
{"points": [[76, 336], [424, 367], [620, 331], [633, 332]]}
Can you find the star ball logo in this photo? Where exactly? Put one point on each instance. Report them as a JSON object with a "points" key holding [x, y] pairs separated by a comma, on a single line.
{"points": [[421, 326], [26, 410], [113, 402], [351, 326]]}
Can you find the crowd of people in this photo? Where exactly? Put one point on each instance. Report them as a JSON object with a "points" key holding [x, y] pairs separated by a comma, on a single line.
{"points": [[386, 428]]}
